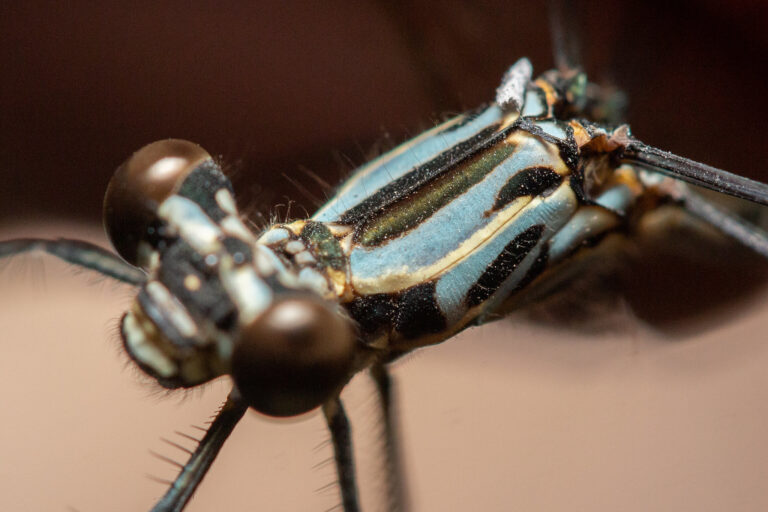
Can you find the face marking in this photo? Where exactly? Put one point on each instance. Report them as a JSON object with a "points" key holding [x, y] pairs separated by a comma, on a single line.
{"points": [[191, 222], [274, 235], [267, 261], [235, 227], [192, 283], [294, 247], [148, 254], [313, 280], [176, 313], [225, 201], [247, 290], [288, 279], [305, 258], [143, 350]]}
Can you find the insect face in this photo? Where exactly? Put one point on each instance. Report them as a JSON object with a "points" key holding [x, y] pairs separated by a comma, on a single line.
{"points": [[217, 302]]}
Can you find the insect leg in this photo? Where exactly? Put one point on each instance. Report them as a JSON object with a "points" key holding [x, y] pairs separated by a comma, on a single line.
{"points": [[177, 496], [395, 479], [82, 254], [697, 173], [728, 223], [341, 435]]}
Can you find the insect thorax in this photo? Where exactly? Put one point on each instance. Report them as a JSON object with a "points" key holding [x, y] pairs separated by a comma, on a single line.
{"points": [[480, 210], [432, 237]]}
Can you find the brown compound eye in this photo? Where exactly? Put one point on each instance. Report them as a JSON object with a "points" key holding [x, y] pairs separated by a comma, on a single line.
{"points": [[293, 357], [137, 188]]}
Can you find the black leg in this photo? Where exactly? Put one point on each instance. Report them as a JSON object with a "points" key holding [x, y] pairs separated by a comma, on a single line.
{"points": [[697, 173], [82, 254], [397, 495], [341, 435], [177, 496], [727, 222]]}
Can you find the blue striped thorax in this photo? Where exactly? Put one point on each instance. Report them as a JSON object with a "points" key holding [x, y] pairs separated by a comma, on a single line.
{"points": [[477, 214]]}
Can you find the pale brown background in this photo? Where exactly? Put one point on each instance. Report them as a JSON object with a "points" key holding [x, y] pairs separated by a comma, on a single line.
{"points": [[505, 417]]}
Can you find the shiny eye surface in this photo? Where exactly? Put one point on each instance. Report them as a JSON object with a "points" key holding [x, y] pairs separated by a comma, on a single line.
{"points": [[138, 186], [293, 357]]}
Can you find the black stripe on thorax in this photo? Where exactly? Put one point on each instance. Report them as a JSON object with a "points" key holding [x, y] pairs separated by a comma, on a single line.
{"points": [[402, 186], [505, 263], [411, 313], [418, 313], [532, 181], [413, 209]]}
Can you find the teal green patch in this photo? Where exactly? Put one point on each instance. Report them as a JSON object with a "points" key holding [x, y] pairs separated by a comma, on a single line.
{"points": [[324, 244], [576, 92]]}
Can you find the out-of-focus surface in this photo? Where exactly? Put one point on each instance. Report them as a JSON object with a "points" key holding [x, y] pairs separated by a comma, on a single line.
{"points": [[508, 416], [504, 417]]}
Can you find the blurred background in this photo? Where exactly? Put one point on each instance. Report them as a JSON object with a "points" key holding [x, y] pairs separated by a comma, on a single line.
{"points": [[541, 421], [272, 87]]}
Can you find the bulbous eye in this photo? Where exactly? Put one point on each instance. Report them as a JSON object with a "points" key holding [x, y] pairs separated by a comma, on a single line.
{"points": [[293, 357], [138, 186]]}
